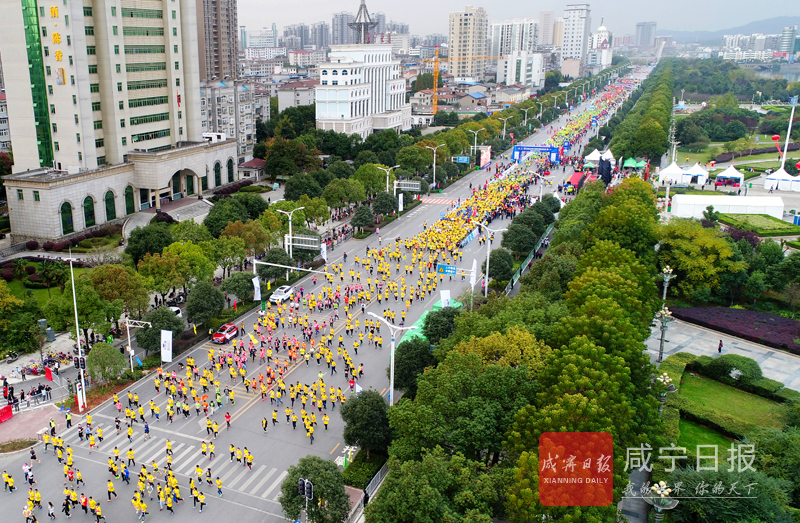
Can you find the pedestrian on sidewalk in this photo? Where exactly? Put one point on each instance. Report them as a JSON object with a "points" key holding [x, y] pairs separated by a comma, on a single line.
{"points": [[720, 347]]}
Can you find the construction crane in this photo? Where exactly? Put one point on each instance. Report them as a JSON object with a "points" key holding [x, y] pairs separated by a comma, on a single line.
{"points": [[435, 61]]}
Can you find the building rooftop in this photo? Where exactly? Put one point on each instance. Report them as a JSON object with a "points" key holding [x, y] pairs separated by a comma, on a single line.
{"points": [[301, 84], [255, 163]]}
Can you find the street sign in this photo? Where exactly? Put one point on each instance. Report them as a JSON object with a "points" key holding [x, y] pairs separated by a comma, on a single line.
{"points": [[405, 185], [446, 269], [462, 159], [305, 242], [566, 145]]}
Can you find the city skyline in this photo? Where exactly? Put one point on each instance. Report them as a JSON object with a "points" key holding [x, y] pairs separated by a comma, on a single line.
{"points": [[620, 17]]}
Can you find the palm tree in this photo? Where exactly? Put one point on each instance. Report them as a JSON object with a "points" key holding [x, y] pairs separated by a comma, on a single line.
{"points": [[60, 276], [47, 271], [19, 268]]}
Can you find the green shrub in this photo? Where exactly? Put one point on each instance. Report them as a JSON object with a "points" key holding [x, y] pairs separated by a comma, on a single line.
{"points": [[361, 235], [765, 387], [255, 188], [719, 421], [720, 369], [151, 362], [675, 365], [671, 424], [361, 470], [786, 395], [132, 375]]}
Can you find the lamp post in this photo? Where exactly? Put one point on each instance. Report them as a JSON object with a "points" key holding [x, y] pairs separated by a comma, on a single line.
{"points": [[289, 214], [82, 393], [666, 273], [504, 124], [541, 108], [555, 99], [526, 115], [665, 386], [664, 316], [135, 323], [476, 135], [387, 171], [793, 101], [488, 251], [682, 90], [434, 161], [659, 499], [393, 330]]}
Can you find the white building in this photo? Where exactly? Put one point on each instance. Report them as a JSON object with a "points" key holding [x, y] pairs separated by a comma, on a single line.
{"points": [[522, 67], [228, 107], [107, 85], [262, 37], [598, 59], [547, 20], [646, 34], [294, 94], [468, 38], [361, 91], [577, 27], [5, 134], [264, 53], [307, 58], [601, 39], [520, 34]]}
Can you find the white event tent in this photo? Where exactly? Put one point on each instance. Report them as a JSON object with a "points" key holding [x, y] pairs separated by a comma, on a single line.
{"points": [[780, 180], [731, 174], [673, 173], [593, 156], [693, 205], [608, 156], [696, 174]]}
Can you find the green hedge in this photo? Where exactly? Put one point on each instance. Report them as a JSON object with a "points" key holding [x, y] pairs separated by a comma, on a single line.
{"points": [[255, 188], [793, 245], [751, 380], [787, 230], [361, 470], [787, 395], [719, 421], [671, 424], [675, 365], [361, 235]]}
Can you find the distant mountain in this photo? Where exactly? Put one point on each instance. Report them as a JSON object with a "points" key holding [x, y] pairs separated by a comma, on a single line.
{"points": [[768, 26]]}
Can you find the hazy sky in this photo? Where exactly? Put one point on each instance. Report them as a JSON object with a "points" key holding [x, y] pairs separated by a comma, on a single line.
{"points": [[427, 16]]}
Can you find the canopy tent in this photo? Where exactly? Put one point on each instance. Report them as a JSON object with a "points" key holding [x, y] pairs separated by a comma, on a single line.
{"points": [[593, 156], [693, 205], [779, 180], [607, 155], [630, 162], [673, 173], [730, 174], [589, 165], [641, 164], [697, 174]]}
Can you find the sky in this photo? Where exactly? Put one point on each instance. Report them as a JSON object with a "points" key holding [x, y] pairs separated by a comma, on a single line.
{"points": [[426, 16]]}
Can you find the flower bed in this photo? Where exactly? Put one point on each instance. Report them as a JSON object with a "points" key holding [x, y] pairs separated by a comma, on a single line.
{"points": [[761, 224], [759, 327]]}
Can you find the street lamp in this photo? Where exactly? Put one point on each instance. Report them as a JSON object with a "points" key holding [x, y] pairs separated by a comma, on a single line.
{"points": [[434, 161], [664, 316], [504, 124], [526, 114], [488, 250], [475, 147], [541, 108], [393, 330], [555, 99], [667, 275], [82, 393], [387, 171], [289, 214], [665, 387], [659, 499]]}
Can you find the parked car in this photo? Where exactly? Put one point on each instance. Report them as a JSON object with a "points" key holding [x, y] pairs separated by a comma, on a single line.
{"points": [[281, 294], [225, 333], [177, 310]]}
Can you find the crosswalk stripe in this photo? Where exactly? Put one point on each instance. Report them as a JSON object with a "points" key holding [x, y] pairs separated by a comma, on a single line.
{"points": [[239, 477], [218, 470], [263, 480], [229, 473], [152, 456], [179, 458], [252, 477], [175, 448], [275, 484]]}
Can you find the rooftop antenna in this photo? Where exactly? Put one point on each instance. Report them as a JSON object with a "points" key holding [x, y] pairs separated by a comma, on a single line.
{"points": [[363, 24]]}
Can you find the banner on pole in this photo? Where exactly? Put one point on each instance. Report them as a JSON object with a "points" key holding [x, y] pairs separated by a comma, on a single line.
{"points": [[323, 251], [400, 203], [445, 298], [166, 346], [257, 287], [473, 276]]}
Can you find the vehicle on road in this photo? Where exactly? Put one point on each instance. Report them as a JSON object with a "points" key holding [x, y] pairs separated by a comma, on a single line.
{"points": [[177, 311], [225, 333], [281, 294]]}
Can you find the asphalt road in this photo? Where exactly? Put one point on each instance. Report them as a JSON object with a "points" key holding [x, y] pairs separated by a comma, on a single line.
{"points": [[248, 495]]}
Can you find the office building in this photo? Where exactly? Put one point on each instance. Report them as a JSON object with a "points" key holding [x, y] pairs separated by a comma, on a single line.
{"points": [[380, 19], [262, 37], [217, 37], [788, 39], [645, 34], [558, 32], [361, 91], [228, 107], [521, 34], [320, 35], [340, 28], [547, 20], [5, 134], [301, 31], [435, 39], [577, 28], [523, 68], [468, 36], [104, 110], [307, 58]]}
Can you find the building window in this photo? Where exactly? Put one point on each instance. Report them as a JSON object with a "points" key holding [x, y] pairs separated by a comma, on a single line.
{"points": [[119, 86], [70, 59], [124, 140], [94, 88], [19, 194], [78, 137], [98, 143], [56, 147], [41, 11], [101, 160], [67, 226], [76, 118], [179, 115], [114, 30], [46, 51], [146, 84], [47, 70], [150, 118], [152, 135], [144, 49], [335, 82], [74, 100], [145, 102], [217, 174], [145, 66], [88, 30], [52, 109], [121, 104], [69, 40], [119, 68], [174, 31], [174, 15], [141, 13], [87, 10], [88, 212], [50, 89], [92, 68], [111, 208], [90, 49], [113, 10], [177, 82], [116, 49], [175, 48], [177, 66], [98, 124], [72, 79], [36, 196], [122, 122], [44, 31]]}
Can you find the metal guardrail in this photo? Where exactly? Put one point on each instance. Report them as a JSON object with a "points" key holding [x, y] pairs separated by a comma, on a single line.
{"points": [[373, 486], [521, 269]]}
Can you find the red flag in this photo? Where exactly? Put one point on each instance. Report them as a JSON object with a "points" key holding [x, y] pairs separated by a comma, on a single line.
{"points": [[234, 305], [48, 374]]}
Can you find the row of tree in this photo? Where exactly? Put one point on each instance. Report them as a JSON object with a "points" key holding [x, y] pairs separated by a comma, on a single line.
{"points": [[714, 76]]}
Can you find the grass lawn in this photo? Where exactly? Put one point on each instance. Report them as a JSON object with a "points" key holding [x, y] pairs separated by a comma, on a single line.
{"points": [[738, 404], [760, 222], [662, 192], [766, 156], [18, 289], [684, 157], [693, 434]]}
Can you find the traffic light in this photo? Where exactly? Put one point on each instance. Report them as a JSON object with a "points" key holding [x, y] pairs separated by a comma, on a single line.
{"points": [[301, 487], [76, 362], [83, 363], [309, 490]]}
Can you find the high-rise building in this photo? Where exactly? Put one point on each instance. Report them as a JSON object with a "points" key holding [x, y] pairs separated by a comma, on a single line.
{"points": [[320, 35], [547, 19], [601, 39], [5, 134], [521, 67], [558, 32], [577, 28], [468, 38], [432, 40], [301, 31], [361, 91], [217, 36], [380, 19], [398, 27], [787, 39], [262, 37], [520, 34], [646, 34], [104, 111], [228, 107], [340, 29]]}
